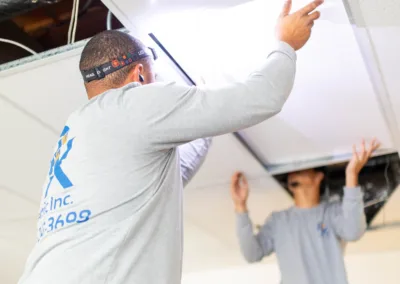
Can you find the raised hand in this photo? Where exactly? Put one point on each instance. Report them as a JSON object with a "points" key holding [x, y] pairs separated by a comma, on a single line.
{"points": [[239, 192], [358, 161], [295, 29]]}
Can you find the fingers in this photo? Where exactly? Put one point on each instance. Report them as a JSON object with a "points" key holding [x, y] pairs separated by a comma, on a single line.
{"points": [[310, 7], [377, 146], [355, 154], [363, 151], [362, 156], [235, 180], [314, 16], [374, 145], [286, 8], [244, 179]]}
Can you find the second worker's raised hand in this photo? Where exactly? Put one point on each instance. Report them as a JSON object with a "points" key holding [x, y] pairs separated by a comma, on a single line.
{"points": [[295, 28], [360, 158], [358, 161], [239, 192]]}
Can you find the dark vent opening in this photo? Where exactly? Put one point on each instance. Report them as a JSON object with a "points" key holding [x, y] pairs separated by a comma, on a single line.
{"points": [[42, 25], [379, 179]]}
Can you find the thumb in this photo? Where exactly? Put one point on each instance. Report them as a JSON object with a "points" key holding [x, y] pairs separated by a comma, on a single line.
{"points": [[286, 8]]}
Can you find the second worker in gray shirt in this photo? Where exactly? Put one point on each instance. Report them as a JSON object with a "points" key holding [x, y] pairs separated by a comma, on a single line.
{"points": [[307, 237]]}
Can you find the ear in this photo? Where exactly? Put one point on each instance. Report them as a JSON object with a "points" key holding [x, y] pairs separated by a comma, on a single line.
{"points": [[134, 74], [320, 176]]}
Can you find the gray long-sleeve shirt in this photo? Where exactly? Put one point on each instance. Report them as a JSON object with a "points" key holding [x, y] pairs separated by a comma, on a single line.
{"points": [[111, 210], [307, 242]]}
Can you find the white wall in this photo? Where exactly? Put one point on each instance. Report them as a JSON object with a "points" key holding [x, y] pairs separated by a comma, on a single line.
{"points": [[362, 269]]}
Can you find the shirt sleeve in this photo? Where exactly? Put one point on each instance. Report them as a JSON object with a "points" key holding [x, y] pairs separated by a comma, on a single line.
{"points": [[348, 218], [192, 156], [179, 114], [255, 247]]}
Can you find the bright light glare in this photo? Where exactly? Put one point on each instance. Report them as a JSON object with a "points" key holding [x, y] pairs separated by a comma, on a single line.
{"points": [[211, 43]]}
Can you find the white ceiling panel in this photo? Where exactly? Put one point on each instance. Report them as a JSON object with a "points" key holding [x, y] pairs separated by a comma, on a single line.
{"points": [[225, 157], [12, 258], [50, 90], [386, 44], [333, 104], [200, 246], [18, 217], [26, 147], [211, 208], [15, 207], [376, 13], [138, 13], [378, 29]]}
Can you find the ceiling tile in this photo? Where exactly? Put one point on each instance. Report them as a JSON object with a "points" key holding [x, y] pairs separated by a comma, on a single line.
{"points": [[25, 152]]}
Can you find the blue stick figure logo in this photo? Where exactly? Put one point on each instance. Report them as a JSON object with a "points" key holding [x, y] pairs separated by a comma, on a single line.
{"points": [[322, 229], [64, 146]]}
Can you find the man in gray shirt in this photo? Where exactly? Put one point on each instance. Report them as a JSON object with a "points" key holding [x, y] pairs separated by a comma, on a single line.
{"points": [[306, 237], [111, 210]]}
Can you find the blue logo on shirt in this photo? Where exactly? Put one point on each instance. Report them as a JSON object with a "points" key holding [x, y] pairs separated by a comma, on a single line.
{"points": [[323, 229], [64, 146]]}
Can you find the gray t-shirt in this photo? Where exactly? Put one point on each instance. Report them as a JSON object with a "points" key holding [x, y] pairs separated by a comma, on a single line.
{"points": [[307, 242], [111, 210]]}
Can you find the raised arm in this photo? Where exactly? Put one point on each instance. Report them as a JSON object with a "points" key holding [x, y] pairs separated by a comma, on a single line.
{"points": [[179, 114], [192, 156], [348, 218], [253, 247]]}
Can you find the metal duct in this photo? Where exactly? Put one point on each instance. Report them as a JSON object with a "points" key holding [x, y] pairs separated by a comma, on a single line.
{"points": [[10, 8]]}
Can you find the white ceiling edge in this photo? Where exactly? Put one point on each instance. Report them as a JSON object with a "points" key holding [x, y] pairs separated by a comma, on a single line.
{"points": [[324, 161], [43, 58], [40, 59], [387, 108], [366, 17]]}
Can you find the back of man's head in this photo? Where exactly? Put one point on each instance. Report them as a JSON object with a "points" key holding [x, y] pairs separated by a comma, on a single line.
{"points": [[105, 47]]}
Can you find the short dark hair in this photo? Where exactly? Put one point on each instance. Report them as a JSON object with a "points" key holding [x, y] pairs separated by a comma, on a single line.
{"points": [[106, 46]]}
